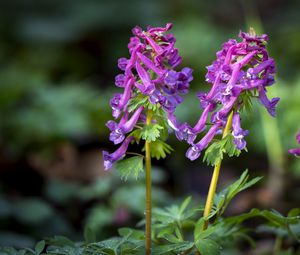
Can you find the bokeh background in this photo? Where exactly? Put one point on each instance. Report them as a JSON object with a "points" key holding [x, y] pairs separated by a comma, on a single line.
{"points": [[57, 67]]}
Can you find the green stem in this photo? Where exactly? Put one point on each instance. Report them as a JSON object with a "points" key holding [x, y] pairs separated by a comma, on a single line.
{"points": [[277, 245], [148, 189], [215, 177]]}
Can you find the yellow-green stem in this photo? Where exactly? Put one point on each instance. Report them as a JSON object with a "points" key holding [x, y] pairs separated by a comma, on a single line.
{"points": [[215, 177], [277, 245], [148, 189]]}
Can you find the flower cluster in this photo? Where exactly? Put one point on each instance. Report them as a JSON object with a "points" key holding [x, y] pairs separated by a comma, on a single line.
{"points": [[150, 72], [296, 151], [242, 70]]}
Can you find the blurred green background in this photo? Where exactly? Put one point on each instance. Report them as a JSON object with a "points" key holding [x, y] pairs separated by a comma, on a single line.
{"points": [[57, 67]]}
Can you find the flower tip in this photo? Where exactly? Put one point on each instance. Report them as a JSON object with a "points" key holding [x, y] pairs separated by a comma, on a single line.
{"points": [[137, 30], [298, 137], [169, 26], [272, 108], [193, 153], [295, 152], [107, 162]]}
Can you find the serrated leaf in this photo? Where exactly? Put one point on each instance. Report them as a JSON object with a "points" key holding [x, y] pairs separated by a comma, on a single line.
{"points": [[153, 107], [130, 167], [166, 249], [245, 101], [208, 247], [137, 101], [160, 149], [214, 153], [230, 147], [151, 132], [109, 246], [137, 134]]}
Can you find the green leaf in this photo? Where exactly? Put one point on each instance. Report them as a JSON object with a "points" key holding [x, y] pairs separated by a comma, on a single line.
{"points": [[168, 236], [198, 228], [89, 234], [245, 99], [60, 241], [230, 147], [160, 149], [177, 248], [151, 132], [130, 167], [223, 198], [169, 223], [208, 247], [215, 151], [98, 217], [23, 210], [162, 121], [131, 233], [294, 212], [153, 107], [184, 204], [137, 101], [40, 247], [137, 134], [109, 247]]}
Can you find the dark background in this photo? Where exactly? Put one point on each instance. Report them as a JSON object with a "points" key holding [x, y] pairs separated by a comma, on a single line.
{"points": [[58, 60]]}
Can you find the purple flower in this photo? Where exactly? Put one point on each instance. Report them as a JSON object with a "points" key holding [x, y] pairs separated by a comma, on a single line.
{"points": [[147, 85], [252, 38], [148, 73], [120, 80], [239, 68], [118, 132], [270, 105], [122, 63], [200, 126], [150, 65], [185, 131], [195, 151], [296, 152], [171, 78], [119, 101], [152, 53], [110, 158], [237, 132]]}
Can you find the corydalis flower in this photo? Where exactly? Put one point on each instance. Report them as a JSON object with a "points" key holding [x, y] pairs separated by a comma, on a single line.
{"points": [[195, 151], [296, 151], [110, 158], [237, 132], [242, 66], [241, 70], [149, 73], [118, 131], [150, 70]]}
